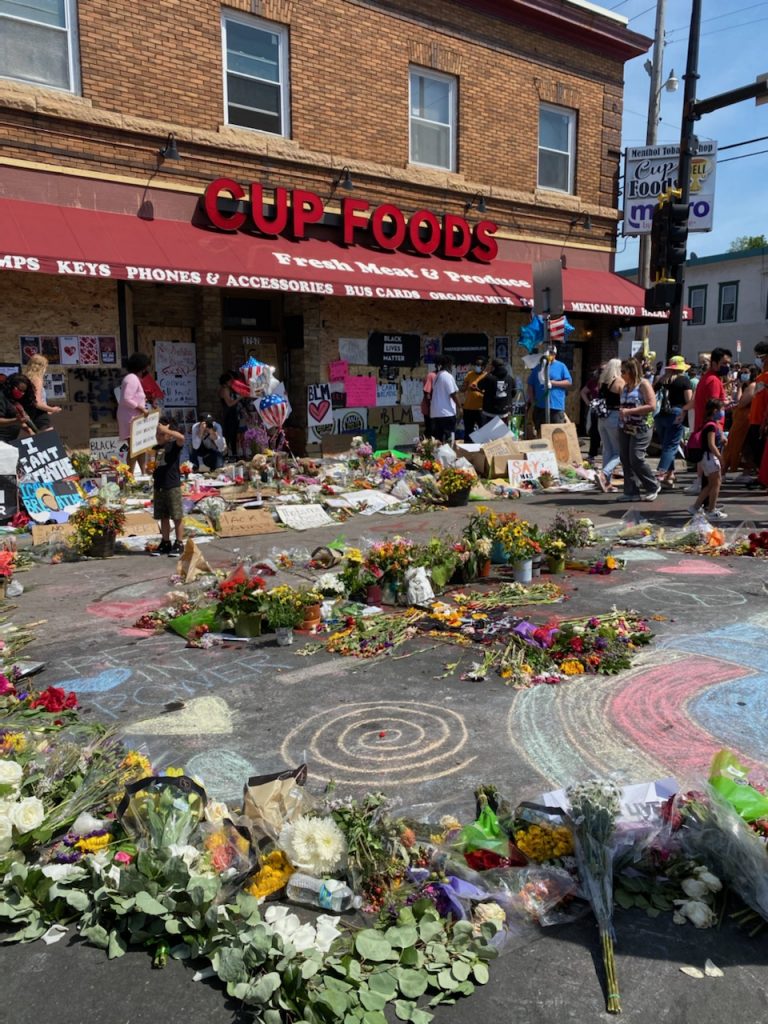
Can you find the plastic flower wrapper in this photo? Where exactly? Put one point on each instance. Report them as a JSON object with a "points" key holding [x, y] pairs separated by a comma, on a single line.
{"points": [[731, 780], [595, 805], [227, 849], [162, 811], [485, 833], [542, 895]]}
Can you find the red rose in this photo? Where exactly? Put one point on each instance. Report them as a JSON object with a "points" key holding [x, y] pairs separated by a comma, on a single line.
{"points": [[54, 699]]}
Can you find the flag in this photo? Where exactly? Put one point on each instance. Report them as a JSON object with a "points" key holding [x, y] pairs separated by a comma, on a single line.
{"points": [[559, 328]]}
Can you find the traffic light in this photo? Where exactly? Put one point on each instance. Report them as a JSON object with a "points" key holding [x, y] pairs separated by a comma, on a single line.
{"points": [[660, 296], [659, 237], [669, 236], [677, 233]]}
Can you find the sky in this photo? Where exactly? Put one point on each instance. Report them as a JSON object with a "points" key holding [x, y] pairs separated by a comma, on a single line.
{"points": [[733, 52]]}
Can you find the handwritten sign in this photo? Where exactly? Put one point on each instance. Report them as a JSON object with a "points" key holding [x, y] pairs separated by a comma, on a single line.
{"points": [[106, 448], [42, 457], [338, 369], [244, 522], [144, 433], [50, 500], [140, 524], [411, 390], [320, 407], [354, 350], [176, 368], [386, 393], [303, 517], [361, 391]]}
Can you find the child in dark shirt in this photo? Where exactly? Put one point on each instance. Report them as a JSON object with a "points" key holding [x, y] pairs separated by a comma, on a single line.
{"points": [[711, 461], [167, 487]]}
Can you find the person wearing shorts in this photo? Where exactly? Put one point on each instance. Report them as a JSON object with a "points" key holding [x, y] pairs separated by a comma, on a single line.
{"points": [[711, 462], [167, 505]]}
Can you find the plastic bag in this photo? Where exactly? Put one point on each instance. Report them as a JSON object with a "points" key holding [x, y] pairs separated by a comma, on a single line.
{"points": [[183, 624], [731, 780], [418, 588], [270, 801], [540, 894], [162, 811], [485, 833], [445, 455]]}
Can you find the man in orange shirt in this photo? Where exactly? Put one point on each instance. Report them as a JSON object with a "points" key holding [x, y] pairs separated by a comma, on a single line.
{"points": [[758, 410]]}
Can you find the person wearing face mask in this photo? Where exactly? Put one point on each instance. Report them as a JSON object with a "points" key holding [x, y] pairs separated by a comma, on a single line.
{"points": [[733, 452], [710, 388], [473, 398], [758, 410], [17, 399]]}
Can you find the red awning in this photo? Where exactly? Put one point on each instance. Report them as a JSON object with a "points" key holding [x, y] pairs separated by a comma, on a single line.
{"points": [[60, 240], [595, 291]]}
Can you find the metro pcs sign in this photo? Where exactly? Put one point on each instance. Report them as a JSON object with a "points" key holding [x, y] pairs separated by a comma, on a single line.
{"points": [[651, 170]]}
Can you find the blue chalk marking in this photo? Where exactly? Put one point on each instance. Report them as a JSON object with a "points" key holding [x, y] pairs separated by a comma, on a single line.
{"points": [[101, 683]]}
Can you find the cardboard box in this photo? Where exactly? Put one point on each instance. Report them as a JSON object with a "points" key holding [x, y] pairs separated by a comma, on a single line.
{"points": [[473, 453], [247, 522], [140, 524], [53, 531], [491, 459]]}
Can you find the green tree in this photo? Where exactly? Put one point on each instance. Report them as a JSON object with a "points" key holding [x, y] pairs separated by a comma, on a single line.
{"points": [[744, 242]]}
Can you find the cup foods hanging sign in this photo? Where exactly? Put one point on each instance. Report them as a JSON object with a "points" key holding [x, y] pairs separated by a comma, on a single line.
{"points": [[651, 170], [386, 225]]}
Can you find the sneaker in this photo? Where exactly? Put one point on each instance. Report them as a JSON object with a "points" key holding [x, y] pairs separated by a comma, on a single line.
{"points": [[175, 550], [652, 496], [692, 510], [694, 488], [717, 513], [163, 548], [601, 482]]}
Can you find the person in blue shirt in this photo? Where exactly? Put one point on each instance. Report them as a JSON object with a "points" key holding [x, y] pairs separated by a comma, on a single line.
{"points": [[559, 382]]}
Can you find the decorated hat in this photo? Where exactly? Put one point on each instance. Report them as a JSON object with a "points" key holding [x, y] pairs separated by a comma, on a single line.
{"points": [[677, 363]]}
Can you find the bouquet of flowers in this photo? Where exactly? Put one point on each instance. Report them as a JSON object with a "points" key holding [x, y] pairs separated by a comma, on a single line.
{"points": [[94, 519], [553, 545], [575, 531], [122, 471], [282, 607], [185, 468], [454, 481], [390, 557], [595, 806], [239, 595], [84, 463], [518, 538]]}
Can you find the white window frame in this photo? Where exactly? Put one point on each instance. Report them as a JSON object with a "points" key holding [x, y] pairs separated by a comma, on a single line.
{"points": [[703, 307], [571, 115], [452, 82], [285, 77], [73, 49]]}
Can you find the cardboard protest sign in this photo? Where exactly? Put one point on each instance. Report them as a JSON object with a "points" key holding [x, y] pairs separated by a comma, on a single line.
{"points": [[50, 500], [564, 441], [140, 524], [246, 522], [9, 498], [176, 365], [106, 448], [54, 532], [319, 408], [144, 433], [42, 457], [303, 517]]}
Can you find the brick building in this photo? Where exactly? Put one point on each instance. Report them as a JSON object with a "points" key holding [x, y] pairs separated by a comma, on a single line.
{"points": [[433, 152]]}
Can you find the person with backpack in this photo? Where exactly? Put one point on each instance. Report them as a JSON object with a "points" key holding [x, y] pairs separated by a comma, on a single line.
{"points": [[498, 388], [704, 449], [674, 391]]}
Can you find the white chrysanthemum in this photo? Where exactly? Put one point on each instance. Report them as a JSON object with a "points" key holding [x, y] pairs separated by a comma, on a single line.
{"points": [[314, 845]]}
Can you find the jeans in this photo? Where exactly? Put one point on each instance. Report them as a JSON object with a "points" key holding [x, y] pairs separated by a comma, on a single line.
{"points": [[442, 427], [473, 418], [670, 435], [540, 416], [609, 436], [632, 449]]}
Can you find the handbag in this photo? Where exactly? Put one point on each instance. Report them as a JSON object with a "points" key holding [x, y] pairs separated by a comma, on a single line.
{"points": [[599, 408]]}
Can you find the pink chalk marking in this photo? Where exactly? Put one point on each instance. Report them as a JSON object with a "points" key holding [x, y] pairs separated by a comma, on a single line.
{"points": [[694, 567], [119, 611], [653, 701]]}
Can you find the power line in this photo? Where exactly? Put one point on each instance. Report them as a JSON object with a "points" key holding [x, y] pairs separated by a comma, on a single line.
{"points": [[636, 16], [728, 28], [717, 17], [746, 142], [743, 156]]}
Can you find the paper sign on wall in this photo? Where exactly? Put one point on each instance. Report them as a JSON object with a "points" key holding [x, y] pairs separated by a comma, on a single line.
{"points": [[319, 407], [69, 346], [360, 391], [42, 457], [386, 393], [411, 391], [338, 369], [144, 433], [354, 351], [345, 421], [176, 369]]}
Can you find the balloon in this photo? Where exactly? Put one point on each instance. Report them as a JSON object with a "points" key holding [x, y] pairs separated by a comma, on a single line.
{"points": [[273, 410]]}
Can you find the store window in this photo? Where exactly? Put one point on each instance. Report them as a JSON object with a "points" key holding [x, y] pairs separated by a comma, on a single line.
{"points": [[433, 119], [697, 300], [557, 148], [255, 74], [38, 42], [727, 305]]}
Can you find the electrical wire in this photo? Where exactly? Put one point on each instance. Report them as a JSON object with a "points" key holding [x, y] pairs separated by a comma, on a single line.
{"points": [[727, 28], [717, 17], [742, 156], [746, 142]]}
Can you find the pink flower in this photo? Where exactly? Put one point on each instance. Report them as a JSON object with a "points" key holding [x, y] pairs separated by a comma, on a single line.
{"points": [[121, 857], [6, 686]]}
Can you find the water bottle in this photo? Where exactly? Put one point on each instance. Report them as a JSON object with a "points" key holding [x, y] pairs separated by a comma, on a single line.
{"points": [[322, 893]]}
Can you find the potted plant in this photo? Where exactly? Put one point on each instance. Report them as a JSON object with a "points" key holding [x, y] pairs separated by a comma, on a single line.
{"points": [[388, 561], [309, 602], [240, 600], [575, 531], [479, 536], [519, 541], [546, 479], [284, 611], [455, 484], [96, 528], [554, 548], [361, 582], [440, 558]]}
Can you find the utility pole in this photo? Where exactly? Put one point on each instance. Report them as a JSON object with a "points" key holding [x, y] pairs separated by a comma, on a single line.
{"points": [[651, 138]]}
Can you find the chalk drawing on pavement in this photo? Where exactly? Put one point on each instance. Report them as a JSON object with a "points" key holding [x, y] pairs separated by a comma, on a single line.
{"points": [[375, 743], [222, 772], [102, 682], [202, 716]]}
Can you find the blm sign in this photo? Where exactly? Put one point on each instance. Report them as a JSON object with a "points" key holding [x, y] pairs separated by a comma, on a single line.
{"points": [[42, 457]]}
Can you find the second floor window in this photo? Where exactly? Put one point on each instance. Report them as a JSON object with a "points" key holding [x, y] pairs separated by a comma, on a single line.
{"points": [[255, 74], [38, 42], [728, 301], [433, 119], [557, 148], [697, 300]]}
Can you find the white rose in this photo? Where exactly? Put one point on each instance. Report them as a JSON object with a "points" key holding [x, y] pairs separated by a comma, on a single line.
{"points": [[28, 814], [10, 773], [6, 828], [711, 881], [215, 810], [695, 888], [698, 913], [189, 854]]}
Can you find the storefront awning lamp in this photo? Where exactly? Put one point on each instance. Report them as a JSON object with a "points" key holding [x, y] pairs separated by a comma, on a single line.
{"points": [[344, 180], [170, 150], [584, 219], [477, 201]]}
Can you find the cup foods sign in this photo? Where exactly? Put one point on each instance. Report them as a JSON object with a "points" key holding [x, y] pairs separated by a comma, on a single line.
{"points": [[651, 170]]}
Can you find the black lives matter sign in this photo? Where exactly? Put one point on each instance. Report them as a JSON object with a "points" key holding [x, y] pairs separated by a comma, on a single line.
{"points": [[42, 457], [394, 349]]}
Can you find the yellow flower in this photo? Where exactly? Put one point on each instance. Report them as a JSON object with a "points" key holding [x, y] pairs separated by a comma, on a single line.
{"points": [[173, 773], [353, 555], [275, 871], [571, 667], [93, 844], [611, 563]]}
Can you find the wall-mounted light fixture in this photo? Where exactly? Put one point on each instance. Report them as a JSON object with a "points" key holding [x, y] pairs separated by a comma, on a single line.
{"points": [[170, 150], [344, 180], [477, 201], [584, 219]]}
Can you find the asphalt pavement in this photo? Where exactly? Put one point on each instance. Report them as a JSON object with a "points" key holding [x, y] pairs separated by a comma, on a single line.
{"points": [[257, 707]]}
